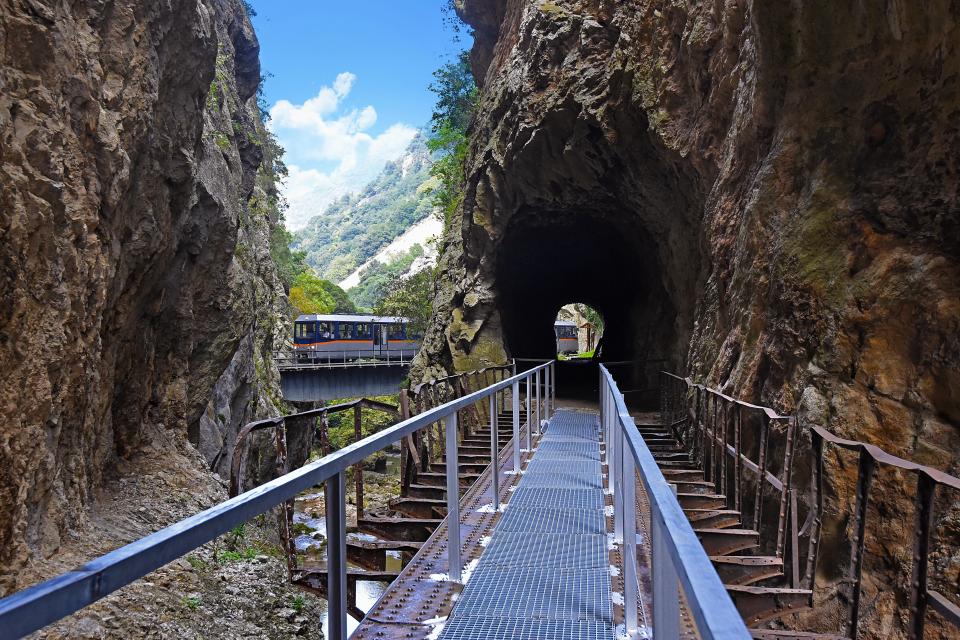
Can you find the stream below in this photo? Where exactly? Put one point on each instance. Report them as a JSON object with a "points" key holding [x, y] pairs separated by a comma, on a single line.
{"points": [[310, 529]]}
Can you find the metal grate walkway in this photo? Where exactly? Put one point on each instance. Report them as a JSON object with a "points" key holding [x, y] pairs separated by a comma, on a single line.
{"points": [[546, 570]]}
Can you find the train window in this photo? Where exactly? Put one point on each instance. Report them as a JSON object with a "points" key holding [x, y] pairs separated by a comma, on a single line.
{"points": [[304, 330], [343, 330], [566, 331], [397, 331], [323, 331], [362, 331]]}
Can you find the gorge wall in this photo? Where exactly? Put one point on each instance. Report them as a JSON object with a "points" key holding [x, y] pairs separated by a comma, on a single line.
{"points": [[765, 194], [138, 299]]}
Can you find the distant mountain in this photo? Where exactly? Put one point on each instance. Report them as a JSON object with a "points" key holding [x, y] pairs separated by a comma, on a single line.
{"points": [[355, 227]]}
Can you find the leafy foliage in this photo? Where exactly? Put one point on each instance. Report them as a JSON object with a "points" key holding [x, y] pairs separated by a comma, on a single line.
{"points": [[341, 429], [341, 301], [592, 315], [450, 18], [311, 294], [456, 102], [410, 296], [289, 263], [456, 94], [377, 279]]}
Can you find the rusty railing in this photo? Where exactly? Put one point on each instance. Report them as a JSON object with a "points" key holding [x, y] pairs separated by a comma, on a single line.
{"points": [[753, 456]]}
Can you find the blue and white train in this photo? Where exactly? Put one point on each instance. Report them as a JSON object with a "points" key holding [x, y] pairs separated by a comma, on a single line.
{"points": [[322, 338]]}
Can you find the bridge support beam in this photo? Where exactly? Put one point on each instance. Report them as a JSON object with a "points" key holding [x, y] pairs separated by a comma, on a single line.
{"points": [[316, 383]]}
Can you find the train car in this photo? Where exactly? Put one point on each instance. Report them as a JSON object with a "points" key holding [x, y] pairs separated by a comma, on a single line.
{"points": [[338, 338], [566, 337]]}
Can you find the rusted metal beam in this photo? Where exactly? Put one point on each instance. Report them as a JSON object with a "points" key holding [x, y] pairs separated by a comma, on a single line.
{"points": [[855, 572], [926, 490]]}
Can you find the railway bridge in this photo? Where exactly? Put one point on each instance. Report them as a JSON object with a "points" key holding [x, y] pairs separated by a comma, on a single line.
{"points": [[344, 376], [600, 517]]}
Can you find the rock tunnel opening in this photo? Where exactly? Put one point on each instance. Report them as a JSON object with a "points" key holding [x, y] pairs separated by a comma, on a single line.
{"points": [[604, 259], [578, 328]]}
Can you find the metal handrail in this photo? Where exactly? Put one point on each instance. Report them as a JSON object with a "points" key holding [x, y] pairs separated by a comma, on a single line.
{"points": [[37, 606], [342, 359], [236, 470], [711, 417], [677, 557], [693, 408]]}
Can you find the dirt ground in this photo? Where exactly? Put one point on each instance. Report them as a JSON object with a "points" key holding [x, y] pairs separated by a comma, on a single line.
{"points": [[234, 587]]}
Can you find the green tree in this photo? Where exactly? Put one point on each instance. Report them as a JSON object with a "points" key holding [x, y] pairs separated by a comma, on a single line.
{"points": [[377, 278], [456, 102], [456, 94], [309, 295], [341, 301], [290, 264], [411, 297], [592, 315]]}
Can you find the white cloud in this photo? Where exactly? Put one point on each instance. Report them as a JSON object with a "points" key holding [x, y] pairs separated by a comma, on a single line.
{"points": [[329, 152]]}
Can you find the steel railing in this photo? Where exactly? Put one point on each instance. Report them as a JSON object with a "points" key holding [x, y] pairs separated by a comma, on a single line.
{"points": [[37, 606], [338, 359], [678, 561]]}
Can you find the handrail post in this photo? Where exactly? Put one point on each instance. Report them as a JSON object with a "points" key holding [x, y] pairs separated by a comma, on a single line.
{"points": [[529, 424], [494, 453], [629, 555], [453, 498], [358, 469], [334, 499], [553, 387], [603, 405], [537, 385], [926, 492], [516, 427], [607, 432], [666, 596], [546, 395], [619, 449]]}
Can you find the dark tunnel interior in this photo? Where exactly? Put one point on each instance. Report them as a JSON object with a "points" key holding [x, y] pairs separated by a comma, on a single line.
{"points": [[548, 259]]}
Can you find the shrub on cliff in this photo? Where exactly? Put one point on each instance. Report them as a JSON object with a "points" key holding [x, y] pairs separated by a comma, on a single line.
{"points": [[456, 102]]}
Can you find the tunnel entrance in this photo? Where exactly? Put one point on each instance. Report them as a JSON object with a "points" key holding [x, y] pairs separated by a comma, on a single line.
{"points": [[604, 259]]}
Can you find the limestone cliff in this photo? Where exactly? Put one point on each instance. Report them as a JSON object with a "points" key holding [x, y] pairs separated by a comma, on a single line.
{"points": [[765, 193], [138, 300]]}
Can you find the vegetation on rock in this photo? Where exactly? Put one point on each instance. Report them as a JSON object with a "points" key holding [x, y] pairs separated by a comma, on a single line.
{"points": [[456, 102]]}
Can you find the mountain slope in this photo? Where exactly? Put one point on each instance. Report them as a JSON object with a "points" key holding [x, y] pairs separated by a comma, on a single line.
{"points": [[353, 229]]}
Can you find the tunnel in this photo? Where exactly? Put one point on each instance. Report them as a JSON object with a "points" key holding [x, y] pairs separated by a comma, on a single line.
{"points": [[607, 260]]}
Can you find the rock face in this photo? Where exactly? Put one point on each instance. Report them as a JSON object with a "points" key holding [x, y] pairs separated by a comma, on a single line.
{"points": [[138, 300], [765, 194]]}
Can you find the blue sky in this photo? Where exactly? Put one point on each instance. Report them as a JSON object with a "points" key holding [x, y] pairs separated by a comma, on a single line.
{"points": [[349, 87]]}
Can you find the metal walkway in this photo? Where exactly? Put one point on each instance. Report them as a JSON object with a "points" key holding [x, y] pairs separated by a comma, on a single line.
{"points": [[546, 570]]}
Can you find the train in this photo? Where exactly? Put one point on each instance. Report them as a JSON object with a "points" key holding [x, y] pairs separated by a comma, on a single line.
{"points": [[341, 337], [567, 341]]}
